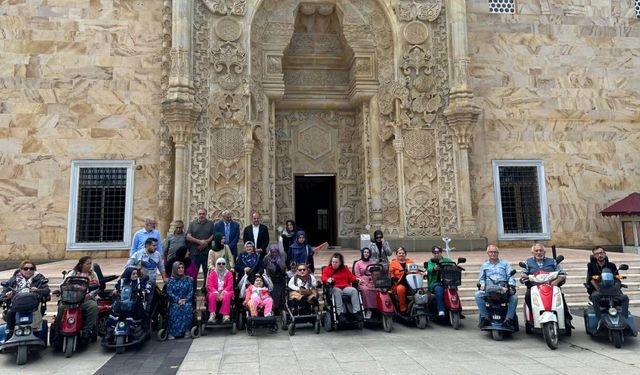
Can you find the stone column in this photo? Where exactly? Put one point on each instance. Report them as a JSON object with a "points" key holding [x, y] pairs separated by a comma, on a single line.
{"points": [[376, 163], [179, 109], [248, 150], [462, 113], [398, 147]]}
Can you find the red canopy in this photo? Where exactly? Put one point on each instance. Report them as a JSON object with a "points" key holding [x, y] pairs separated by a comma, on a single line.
{"points": [[630, 205]]}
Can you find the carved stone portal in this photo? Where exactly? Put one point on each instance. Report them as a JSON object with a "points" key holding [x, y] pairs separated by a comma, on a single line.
{"points": [[323, 92]]}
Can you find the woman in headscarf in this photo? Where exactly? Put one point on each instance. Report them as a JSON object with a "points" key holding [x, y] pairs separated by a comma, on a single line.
{"points": [[219, 289], [380, 249], [249, 262], [220, 249], [288, 235], [180, 292], [275, 268], [301, 252], [366, 284], [183, 255]]}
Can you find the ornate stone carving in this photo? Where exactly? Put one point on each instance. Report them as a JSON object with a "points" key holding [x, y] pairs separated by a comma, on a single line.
{"points": [[165, 172], [424, 10], [314, 142], [415, 32], [417, 67], [229, 61], [226, 7], [419, 144], [179, 62], [423, 216], [228, 29], [226, 198]]}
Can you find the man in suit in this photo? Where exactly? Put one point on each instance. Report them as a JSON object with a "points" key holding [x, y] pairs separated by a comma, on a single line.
{"points": [[231, 231], [257, 233]]}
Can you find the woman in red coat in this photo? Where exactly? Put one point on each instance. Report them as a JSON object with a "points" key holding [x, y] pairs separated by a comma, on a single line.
{"points": [[340, 278]]}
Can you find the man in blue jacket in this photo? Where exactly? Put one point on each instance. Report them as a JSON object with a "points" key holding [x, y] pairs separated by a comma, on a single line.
{"points": [[231, 231]]}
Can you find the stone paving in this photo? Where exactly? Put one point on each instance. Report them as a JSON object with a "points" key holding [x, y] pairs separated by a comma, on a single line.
{"points": [[406, 350]]}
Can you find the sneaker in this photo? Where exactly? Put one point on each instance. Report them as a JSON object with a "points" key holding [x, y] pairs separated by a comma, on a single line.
{"points": [[170, 337], [367, 314], [484, 321], [226, 319], [342, 318], [212, 318], [440, 314], [508, 323]]}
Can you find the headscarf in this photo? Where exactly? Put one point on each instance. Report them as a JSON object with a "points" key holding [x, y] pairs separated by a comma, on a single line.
{"points": [[126, 275], [378, 243], [362, 254], [174, 270], [250, 261], [217, 241], [286, 232], [223, 273], [274, 259], [297, 250]]}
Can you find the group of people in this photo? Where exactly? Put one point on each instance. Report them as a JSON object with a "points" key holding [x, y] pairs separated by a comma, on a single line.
{"points": [[265, 272]]}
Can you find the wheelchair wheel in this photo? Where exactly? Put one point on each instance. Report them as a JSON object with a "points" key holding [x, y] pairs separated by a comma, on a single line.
{"points": [[195, 331], [234, 328], [284, 320], [292, 329], [316, 326], [162, 334], [327, 321]]}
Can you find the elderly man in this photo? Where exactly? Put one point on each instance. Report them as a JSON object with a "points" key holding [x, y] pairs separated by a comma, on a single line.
{"points": [[433, 268], [199, 236], [148, 231], [151, 262], [231, 231], [176, 240], [257, 233], [492, 272], [539, 262]]}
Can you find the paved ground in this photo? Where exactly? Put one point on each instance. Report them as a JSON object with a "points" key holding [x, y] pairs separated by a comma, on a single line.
{"points": [[406, 350]]}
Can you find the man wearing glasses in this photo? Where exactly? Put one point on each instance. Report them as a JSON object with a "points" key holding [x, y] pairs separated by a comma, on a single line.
{"points": [[148, 231], [492, 272], [175, 241]]}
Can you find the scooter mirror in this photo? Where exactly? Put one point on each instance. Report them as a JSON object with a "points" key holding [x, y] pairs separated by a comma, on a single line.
{"points": [[623, 267], [462, 260], [522, 264], [559, 259]]}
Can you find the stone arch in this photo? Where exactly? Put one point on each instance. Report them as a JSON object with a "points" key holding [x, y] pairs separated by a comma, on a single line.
{"points": [[272, 26]]}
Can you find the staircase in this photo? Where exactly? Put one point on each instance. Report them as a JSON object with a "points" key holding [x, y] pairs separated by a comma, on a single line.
{"points": [[574, 290]]}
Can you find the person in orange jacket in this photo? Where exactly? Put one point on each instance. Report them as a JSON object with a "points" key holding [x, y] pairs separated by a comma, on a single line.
{"points": [[398, 270], [341, 278]]}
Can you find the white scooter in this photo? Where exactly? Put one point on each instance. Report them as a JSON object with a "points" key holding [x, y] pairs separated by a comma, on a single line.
{"points": [[547, 313]]}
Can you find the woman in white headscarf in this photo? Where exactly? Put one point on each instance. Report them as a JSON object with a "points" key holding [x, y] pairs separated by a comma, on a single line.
{"points": [[219, 289]]}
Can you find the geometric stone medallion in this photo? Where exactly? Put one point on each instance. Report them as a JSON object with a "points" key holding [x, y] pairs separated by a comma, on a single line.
{"points": [[314, 142]]}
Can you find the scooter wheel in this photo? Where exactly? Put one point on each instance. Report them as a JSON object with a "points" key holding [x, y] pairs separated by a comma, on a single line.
{"points": [[195, 331], [120, 345], [292, 329], [21, 355], [421, 321], [162, 334], [497, 335]]}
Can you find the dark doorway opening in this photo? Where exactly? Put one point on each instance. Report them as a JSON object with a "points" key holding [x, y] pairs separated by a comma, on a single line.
{"points": [[315, 207]]}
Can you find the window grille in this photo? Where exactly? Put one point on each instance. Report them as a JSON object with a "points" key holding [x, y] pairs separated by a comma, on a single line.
{"points": [[502, 6], [637, 7], [101, 204], [520, 199]]}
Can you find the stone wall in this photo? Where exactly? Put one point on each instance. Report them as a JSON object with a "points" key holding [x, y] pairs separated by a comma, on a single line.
{"points": [[558, 81], [79, 79]]}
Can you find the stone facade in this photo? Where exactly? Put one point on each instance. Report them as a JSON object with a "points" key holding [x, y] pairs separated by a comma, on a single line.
{"points": [[556, 82], [221, 103]]}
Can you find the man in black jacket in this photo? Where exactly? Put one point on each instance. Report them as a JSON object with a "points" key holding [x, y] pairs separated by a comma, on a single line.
{"points": [[600, 261], [258, 234]]}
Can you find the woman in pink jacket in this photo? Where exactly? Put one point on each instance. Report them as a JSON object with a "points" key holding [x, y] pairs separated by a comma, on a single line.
{"points": [[219, 288]]}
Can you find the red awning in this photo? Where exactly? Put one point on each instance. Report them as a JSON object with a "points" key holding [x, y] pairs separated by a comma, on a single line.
{"points": [[629, 205]]}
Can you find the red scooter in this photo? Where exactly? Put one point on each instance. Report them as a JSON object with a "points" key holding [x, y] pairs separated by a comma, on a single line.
{"points": [[450, 276], [385, 310], [72, 294]]}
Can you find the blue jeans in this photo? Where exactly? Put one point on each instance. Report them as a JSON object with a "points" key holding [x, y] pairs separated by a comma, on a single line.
{"points": [[484, 313], [438, 290]]}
